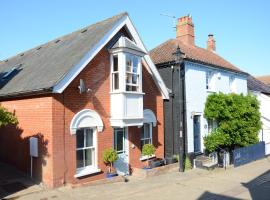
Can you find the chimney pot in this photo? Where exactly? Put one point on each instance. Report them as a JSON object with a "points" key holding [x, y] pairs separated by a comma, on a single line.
{"points": [[211, 43], [185, 30]]}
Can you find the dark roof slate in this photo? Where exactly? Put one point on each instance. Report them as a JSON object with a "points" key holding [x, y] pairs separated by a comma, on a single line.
{"points": [[256, 85], [44, 66]]}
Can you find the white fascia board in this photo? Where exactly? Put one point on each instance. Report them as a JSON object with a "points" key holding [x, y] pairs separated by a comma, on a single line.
{"points": [[155, 74], [71, 75]]}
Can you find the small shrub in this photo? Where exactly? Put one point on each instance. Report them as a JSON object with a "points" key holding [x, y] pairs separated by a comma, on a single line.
{"points": [[188, 164], [148, 150], [7, 117], [109, 156], [176, 157]]}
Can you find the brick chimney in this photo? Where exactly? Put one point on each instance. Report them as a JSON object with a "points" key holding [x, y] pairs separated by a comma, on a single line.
{"points": [[185, 30], [211, 43]]}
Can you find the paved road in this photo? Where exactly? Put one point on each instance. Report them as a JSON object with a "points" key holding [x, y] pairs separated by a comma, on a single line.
{"points": [[251, 181]]}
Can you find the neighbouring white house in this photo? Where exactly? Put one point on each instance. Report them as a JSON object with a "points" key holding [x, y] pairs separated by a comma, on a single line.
{"points": [[262, 92], [203, 72]]}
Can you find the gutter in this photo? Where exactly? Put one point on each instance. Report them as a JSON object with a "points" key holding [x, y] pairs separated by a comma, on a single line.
{"points": [[26, 93], [166, 64]]}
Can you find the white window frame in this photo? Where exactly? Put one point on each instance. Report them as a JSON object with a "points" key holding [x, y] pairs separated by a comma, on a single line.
{"points": [[144, 138], [90, 169], [131, 73], [115, 72], [209, 77]]}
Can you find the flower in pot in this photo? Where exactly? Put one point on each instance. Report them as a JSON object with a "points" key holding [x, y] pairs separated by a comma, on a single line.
{"points": [[109, 156], [148, 150]]}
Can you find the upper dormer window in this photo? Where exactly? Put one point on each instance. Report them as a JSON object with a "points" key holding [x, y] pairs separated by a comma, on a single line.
{"points": [[132, 73], [126, 68]]}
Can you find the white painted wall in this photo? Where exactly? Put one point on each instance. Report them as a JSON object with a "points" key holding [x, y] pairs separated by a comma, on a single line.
{"points": [[196, 94], [264, 134]]}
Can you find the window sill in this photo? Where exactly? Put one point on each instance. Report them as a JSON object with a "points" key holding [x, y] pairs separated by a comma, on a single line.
{"points": [[86, 171], [142, 158], [211, 91], [127, 92]]}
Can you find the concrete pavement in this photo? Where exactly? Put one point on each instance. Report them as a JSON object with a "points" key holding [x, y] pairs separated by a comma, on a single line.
{"points": [[251, 181]]}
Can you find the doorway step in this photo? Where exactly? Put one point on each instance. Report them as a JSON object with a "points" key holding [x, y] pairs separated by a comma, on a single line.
{"points": [[205, 162]]}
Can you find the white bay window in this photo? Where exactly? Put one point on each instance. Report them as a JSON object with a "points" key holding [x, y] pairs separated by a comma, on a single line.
{"points": [[126, 84]]}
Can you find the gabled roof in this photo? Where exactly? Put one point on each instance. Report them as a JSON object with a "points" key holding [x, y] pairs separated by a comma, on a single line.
{"points": [[256, 85], [265, 79], [52, 66], [164, 54], [127, 43]]}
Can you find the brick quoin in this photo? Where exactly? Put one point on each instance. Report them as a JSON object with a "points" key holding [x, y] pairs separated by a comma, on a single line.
{"points": [[49, 118]]}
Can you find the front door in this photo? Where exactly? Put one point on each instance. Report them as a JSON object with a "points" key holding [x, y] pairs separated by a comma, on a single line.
{"points": [[197, 133], [121, 146]]}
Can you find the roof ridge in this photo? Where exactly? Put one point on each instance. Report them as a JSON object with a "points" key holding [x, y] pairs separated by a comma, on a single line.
{"points": [[63, 36]]}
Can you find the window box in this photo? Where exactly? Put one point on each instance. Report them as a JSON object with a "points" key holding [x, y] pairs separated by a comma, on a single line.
{"points": [[142, 158]]}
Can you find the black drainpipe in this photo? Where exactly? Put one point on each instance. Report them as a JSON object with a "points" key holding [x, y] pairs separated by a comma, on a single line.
{"points": [[184, 108], [172, 98], [182, 102]]}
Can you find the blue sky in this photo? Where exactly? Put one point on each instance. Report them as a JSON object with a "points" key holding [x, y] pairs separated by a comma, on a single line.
{"points": [[241, 28]]}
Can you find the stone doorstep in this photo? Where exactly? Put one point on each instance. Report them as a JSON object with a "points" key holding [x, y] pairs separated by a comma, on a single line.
{"points": [[115, 179], [142, 173]]}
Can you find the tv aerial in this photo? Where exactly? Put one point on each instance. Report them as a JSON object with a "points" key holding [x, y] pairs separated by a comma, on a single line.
{"points": [[173, 19]]}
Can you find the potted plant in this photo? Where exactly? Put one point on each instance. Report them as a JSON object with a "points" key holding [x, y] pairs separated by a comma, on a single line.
{"points": [[109, 156], [148, 150]]}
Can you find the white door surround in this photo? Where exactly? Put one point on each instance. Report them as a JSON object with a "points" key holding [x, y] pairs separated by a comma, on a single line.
{"points": [[121, 145]]}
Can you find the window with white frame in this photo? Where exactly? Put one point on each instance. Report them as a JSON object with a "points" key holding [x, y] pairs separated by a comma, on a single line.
{"points": [[146, 134], [132, 73], [85, 148], [209, 80], [232, 84], [115, 73], [212, 125]]}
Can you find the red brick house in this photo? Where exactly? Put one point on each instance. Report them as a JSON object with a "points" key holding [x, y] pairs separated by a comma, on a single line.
{"points": [[79, 94]]}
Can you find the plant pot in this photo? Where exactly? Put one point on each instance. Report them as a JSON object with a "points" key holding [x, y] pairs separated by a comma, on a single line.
{"points": [[170, 160], [110, 175], [157, 162]]}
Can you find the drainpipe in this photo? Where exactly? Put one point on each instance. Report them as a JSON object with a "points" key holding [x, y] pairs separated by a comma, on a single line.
{"points": [[184, 107], [172, 110]]}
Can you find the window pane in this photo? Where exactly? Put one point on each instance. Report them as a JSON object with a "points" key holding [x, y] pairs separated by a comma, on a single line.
{"points": [[135, 64], [80, 159], [89, 156], [80, 138], [116, 81], [89, 138], [146, 130], [134, 78], [148, 141], [128, 64], [134, 88], [128, 78], [115, 63], [128, 88], [118, 139]]}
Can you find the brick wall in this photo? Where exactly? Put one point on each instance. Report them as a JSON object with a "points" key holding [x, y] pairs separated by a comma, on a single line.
{"points": [[35, 119], [51, 117]]}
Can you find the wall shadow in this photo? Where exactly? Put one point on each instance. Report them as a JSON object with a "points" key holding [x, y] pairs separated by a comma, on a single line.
{"points": [[259, 188], [15, 160]]}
